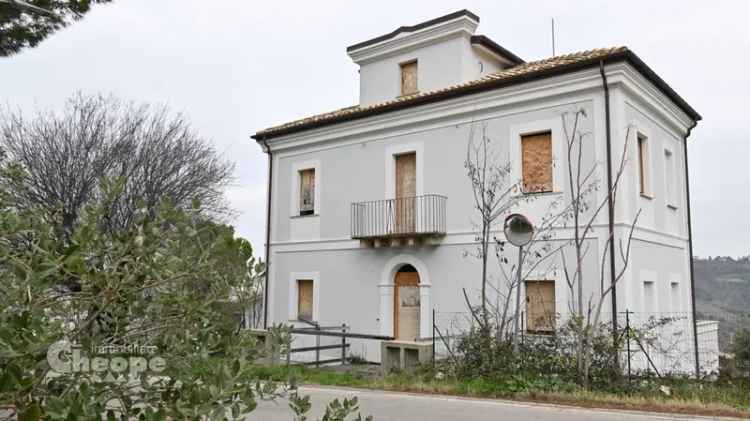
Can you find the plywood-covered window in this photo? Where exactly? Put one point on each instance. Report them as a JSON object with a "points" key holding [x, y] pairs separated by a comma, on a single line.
{"points": [[536, 151], [406, 190], [307, 192], [305, 299], [643, 166], [409, 78], [540, 306]]}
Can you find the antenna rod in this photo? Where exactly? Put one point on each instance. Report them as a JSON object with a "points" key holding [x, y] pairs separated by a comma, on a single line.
{"points": [[553, 37]]}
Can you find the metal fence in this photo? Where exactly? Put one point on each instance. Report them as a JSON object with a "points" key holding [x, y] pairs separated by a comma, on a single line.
{"points": [[322, 345], [404, 216], [661, 343]]}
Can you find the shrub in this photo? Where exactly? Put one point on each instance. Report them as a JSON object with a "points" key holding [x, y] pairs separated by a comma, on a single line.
{"points": [[741, 348], [553, 358]]}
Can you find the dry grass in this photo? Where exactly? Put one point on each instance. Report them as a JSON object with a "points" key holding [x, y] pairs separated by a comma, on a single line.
{"points": [[687, 398]]}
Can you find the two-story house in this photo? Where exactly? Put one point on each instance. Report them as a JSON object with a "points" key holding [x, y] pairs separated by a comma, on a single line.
{"points": [[371, 213]]}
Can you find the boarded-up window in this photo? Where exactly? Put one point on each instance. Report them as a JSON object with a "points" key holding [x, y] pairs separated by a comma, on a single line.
{"points": [[409, 78], [305, 299], [307, 192], [406, 190], [540, 306], [536, 153], [643, 165]]}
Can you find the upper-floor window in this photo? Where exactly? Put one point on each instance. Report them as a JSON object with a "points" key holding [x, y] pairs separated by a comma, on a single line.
{"points": [[643, 166], [409, 78], [670, 181], [307, 191], [536, 157]]}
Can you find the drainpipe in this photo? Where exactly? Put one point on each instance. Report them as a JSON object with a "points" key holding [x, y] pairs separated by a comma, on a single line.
{"points": [[610, 204], [690, 247], [267, 150]]}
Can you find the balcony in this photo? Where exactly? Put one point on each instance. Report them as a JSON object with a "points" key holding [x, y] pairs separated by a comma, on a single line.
{"points": [[406, 220]]}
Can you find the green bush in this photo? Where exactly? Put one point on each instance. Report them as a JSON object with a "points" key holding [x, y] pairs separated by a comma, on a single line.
{"points": [[741, 348], [164, 283], [541, 360]]}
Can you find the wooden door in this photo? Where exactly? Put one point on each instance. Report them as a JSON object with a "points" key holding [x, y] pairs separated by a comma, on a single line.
{"points": [[540, 306], [406, 190], [406, 308]]}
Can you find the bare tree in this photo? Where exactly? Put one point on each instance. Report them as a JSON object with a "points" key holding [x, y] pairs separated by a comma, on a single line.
{"points": [[147, 155], [536, 254], [493, 196], [496, 194], [585, 208]]}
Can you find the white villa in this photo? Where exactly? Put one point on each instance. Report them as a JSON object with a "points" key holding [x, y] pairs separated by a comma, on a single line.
{"points": [[371, 212]]}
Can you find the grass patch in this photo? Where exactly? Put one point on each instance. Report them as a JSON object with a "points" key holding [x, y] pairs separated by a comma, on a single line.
{"points": [[721, 398]]}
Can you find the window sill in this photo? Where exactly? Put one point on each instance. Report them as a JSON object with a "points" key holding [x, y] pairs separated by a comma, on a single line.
{"points": [[647, 196], [672, 207], [539, 193], [309, 323], [312, 215], [540, 332]]}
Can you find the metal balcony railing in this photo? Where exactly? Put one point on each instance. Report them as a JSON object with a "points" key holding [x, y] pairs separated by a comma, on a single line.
{"points": [[402, 217]]}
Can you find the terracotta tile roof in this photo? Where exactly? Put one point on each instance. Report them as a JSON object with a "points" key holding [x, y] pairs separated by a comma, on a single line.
{"points": [[517, 74]]}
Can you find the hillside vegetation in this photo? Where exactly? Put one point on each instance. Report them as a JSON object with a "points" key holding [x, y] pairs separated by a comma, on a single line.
{"points": [[722, 292]]}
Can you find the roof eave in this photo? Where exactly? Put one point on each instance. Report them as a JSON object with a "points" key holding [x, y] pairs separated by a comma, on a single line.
{"points": [[413, 28], [496, 48], [654, 78], [626, 55]]}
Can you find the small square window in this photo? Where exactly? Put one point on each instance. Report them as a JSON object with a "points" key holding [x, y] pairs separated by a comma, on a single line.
{"points": [[409, 78], [305, 299], [536, 162], [307, 192]]}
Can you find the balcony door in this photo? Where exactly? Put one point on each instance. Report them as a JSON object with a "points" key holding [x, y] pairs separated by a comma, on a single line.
{"points": [[406, 190]]}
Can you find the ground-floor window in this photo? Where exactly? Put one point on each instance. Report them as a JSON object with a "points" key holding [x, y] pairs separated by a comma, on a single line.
{"points": [[540, 306], [305, 299]]}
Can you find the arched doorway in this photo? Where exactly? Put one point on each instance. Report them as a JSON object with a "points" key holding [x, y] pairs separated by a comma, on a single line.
{"points": [[406, 304]]}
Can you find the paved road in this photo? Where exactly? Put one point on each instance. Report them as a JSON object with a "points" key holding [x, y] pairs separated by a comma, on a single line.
{"points": [[389, 406]]}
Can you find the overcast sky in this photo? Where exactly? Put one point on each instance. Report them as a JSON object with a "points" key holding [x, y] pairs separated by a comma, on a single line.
{"points": [[238, 66]]}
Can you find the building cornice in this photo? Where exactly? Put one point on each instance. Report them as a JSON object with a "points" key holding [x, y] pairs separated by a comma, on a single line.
{"points": [[518, 75], [482, 105], [461, 14], [457, 27]]}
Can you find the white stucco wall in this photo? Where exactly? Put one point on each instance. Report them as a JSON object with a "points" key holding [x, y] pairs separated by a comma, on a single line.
{"points": [[442, 64], [444, 55], [353, 163]]}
